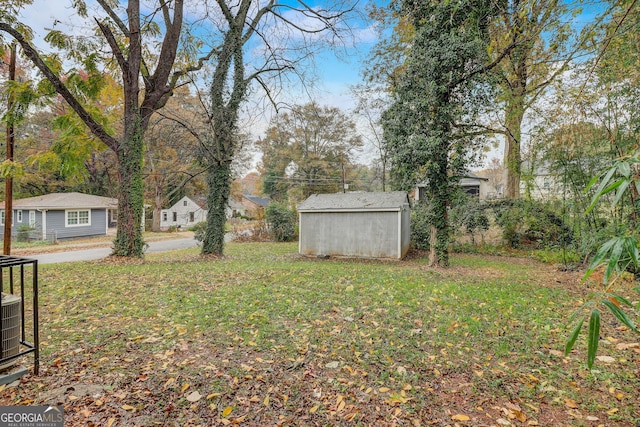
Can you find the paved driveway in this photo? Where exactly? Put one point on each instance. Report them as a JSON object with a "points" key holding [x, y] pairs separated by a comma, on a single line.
{"points": [[98, 253]]}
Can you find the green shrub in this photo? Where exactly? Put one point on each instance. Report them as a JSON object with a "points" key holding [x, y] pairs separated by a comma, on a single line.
{"points": [[469, 215], [281, 222], [526, 223], [199, 230], [23, 233]]}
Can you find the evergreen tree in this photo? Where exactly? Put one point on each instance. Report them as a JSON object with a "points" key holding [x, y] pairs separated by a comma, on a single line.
{"points": [[439, 91]]}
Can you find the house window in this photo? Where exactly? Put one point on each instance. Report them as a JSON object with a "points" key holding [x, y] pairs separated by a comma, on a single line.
{"points": [[165, 217], [472, 190], [184, 203], [192, 216], [422, 194], [546, 183], [32, 219], [2, 218], [78, 218], [175, 216], [19, 215]]}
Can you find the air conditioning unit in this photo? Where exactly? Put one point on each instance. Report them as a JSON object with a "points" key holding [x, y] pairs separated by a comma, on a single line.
{"points": [[11, 322]]}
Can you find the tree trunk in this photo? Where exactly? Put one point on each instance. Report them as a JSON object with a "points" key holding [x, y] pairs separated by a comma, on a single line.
{"points": [[514, 113], [157, 204], [512, 155], [433, 241], [219, 184], [128, 241], [439, 189]]}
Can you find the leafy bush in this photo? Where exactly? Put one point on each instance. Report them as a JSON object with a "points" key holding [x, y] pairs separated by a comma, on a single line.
{"points": [[23, 233], [199, 230], [527, 223], [619, 254], [469, 215], [281, 222]]}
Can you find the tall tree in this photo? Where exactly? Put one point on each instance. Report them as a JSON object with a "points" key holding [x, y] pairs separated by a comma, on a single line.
{"points": [[146, 88], [309, 149], [247, 27], [371, 104], [439, 90], [539, 32]]}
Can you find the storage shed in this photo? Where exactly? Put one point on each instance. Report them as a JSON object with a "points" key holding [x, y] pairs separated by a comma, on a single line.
{"points": [[367, 225]]}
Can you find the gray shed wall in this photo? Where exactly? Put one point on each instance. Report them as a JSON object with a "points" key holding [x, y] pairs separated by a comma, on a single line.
{"points": [[358, 234]]}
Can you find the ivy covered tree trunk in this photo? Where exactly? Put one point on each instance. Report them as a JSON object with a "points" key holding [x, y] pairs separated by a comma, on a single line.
{"points": [[129, 241], [514, 114], [439, 195], [219, 184]]}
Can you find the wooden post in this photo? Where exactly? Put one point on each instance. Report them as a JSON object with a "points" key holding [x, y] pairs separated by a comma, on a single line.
{"points": [[8, 193]]}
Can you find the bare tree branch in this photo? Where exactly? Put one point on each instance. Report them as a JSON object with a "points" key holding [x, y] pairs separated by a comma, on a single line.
{"points": [[106, 31]]}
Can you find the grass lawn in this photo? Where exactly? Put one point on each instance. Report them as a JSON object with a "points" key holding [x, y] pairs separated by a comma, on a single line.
{"points": [[265, 337]]}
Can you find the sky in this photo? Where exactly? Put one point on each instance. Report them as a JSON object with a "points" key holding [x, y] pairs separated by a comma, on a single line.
{"points": [[335, 74]]}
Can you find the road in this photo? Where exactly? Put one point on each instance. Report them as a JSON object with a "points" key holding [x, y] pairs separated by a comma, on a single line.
{"points": [[98, 253]]}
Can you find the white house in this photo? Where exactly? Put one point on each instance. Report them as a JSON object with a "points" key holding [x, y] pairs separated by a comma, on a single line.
{"points": [[185, 213], [541, 182]]}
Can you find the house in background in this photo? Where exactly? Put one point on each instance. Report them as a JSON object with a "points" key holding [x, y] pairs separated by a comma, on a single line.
{"points": [[539, 181], [185, 213], [367, 225], [472, 184], [254, 205], [236, 209], [62, 215]]}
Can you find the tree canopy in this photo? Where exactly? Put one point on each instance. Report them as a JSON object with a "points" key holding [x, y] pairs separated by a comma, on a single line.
{"points": [[308, 150]]}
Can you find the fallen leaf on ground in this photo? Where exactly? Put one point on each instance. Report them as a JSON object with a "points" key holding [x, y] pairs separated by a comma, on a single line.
{"points": [[570, 403], [460, 417], [194, 397]]}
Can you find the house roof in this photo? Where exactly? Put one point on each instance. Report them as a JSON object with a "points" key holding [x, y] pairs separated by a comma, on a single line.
{"points": [[468, 179], [393, 200], [234, 204], [261, 201], [64, 201]]}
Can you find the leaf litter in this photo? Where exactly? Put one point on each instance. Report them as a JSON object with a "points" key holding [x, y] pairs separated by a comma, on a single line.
{"points": [[298, 348]]}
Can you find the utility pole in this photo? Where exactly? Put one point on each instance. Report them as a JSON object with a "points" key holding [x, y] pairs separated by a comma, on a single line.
{"points": [[8, 193], [344, 185]]}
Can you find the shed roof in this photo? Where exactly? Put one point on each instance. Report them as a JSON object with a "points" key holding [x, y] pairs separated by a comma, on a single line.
{"points": [[394, 200], [64, 201]]}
